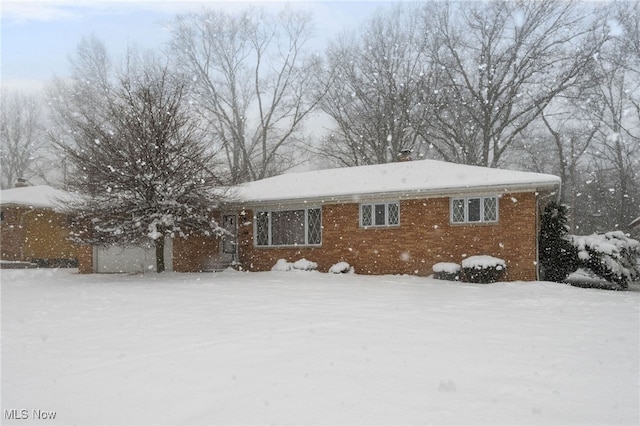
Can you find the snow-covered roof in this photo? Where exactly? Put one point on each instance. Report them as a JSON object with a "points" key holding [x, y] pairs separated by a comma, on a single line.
{"points": [[39, 196], [400, 179]]}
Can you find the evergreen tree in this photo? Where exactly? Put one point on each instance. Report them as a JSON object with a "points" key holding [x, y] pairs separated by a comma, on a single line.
{"points": [[558, 256], [612, 256]]}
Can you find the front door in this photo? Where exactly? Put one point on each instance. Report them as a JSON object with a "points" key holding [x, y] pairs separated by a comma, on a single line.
{"points": [[229, 245]]}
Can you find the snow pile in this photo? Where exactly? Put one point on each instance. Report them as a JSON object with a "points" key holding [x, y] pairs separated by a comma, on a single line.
{"points": [[483, 262], [341, 268], [282, 265]]}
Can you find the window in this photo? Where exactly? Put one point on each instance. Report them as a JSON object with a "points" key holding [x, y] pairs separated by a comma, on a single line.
{"points": [[380, 214], [288, 227], [474, 209]]}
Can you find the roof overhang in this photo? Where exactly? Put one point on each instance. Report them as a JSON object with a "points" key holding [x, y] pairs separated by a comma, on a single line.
{"points": [[546, 187]]}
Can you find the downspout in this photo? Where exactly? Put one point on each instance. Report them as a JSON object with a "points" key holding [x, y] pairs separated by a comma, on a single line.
{"points": [[537, 237]]}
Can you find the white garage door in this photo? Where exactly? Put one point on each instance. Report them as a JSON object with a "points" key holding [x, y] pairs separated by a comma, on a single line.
{"points": [[118, 259]]}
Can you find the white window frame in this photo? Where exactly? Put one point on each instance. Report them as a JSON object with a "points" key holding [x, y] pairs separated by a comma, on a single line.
{"points": [[373, 214], [269, 228], [465, 200]]}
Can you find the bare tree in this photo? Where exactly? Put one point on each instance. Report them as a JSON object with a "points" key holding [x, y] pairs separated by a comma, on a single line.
{"points": [[498, 66], [613, 102], [373, 97], [138, 157], [251, 82], [22, 139], [559, 143], [81, 102]]}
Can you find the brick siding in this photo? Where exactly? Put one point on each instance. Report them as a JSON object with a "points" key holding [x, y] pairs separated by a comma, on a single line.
{"points": [[195, 253], [85, 259], [12, 233], [32, 234], [425, 236]]}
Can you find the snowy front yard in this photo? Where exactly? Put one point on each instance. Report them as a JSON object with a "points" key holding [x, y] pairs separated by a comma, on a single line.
{"points": [[312, 348]]}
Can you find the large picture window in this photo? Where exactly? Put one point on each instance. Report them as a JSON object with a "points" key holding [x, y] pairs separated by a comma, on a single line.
{"points": [[288, 227], [380, 214], [474, 209]]}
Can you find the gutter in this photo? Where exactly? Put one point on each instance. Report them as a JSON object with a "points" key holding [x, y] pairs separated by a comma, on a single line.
{"points": [[538, 239], [398, 195]]}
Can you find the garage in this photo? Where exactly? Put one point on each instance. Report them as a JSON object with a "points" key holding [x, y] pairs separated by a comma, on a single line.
{"points": [[130, 259]]}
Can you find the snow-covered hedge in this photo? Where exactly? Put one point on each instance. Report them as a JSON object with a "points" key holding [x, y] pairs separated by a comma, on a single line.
{"points": [[282, 265], [341, 268], [483, 269], [612, 256], [446, 271]]}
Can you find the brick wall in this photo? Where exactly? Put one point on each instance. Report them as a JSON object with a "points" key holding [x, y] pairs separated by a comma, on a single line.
{"points": [[29, 234], [195, 253], [423, 238], [12, 233], [85, 259]]}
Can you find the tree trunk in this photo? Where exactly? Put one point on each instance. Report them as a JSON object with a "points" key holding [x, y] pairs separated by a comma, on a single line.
{"points": [[160, 255]]}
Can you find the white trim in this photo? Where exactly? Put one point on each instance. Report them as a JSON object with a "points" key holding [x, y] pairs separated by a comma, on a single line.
{"points": [[465, 200], [373, 214], [291, 204], [269, 229]]}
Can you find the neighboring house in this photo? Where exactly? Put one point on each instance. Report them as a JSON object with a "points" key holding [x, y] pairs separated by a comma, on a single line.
{"points": [[396, 218], [34, 227]]}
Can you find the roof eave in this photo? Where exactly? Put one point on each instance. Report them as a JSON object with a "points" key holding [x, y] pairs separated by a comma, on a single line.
{"points": [[400, 195]]}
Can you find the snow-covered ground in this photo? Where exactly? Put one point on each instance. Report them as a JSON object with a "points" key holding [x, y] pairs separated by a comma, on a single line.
{"points": [[311, 348]]}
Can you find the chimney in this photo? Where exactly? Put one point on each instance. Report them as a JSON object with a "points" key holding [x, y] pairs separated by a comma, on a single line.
{"points": [[405, 155], [21, 183]]}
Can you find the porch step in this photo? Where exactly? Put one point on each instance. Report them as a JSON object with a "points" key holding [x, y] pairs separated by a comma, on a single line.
{"points": [[216, 266]]}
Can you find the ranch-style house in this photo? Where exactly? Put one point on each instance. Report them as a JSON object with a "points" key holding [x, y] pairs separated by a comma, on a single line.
{"points": [[395, 218]]}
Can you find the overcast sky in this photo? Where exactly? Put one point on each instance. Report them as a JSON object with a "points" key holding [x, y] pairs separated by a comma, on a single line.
{"points": [[39, 36]]}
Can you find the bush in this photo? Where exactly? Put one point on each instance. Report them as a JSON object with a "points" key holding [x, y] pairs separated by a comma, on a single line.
{"points": [[611, 256], [483, 269], [341, 268], [305, 265], [446, 271], [56, 263], [282, 265], [558, 256]]}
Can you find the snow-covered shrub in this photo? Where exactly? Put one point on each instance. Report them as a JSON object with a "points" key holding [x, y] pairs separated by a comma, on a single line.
{"points": [[341, 268], [558, 256], [611, 256], [483, 269], [305, 265], [446, 271], [282, 266]]}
